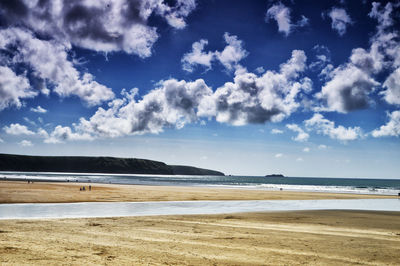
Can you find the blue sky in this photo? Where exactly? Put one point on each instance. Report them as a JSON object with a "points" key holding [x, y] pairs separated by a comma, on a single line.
{"points": [[303, 88]]}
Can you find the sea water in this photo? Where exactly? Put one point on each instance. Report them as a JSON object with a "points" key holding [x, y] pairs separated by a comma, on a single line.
{"points": [[119, 209], [314, 184]]}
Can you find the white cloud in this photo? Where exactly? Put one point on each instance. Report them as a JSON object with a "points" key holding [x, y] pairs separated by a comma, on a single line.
{"points": [[49, 62], [103, 26], [39, 109], [299, 159], [322, 147], [248, 99], [42, 133], [348, 86], [371, 61], [1, 140], [306, 149], [392, 85], [61, 134], [340, 20], [197, 57], [39, 38], [233, 53], [278, 155], [258, 99], [301, 135], [382, 14], [326, 127], [276, 131], [347, 90], [17, 129], [392, 127], [229, 57], [25, 143], [260, 70], [281, 14], [173, 104], [13, 88]]}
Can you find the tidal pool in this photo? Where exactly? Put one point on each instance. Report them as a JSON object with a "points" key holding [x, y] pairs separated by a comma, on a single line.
{"points": [[116, 209]]}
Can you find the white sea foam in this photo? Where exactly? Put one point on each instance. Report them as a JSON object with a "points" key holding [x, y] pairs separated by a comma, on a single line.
{"points": [[314, 188]]}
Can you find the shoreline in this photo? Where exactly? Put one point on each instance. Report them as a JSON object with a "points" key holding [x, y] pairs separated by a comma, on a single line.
{"points": [[68, 192]]}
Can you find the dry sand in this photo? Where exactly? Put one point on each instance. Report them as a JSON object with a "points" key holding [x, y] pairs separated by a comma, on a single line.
{"points": [[22, 192], [284, 238], [280, 238]]}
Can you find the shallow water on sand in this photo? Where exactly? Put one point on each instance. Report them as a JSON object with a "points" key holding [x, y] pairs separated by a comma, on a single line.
{"points": [[116, 209]]}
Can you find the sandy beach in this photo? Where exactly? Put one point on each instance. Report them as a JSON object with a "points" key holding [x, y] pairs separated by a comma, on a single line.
{"points": [[285, 238], [276, 238], [43, 192]]}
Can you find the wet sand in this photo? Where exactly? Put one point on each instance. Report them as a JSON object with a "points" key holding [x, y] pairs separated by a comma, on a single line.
{"points": [[43, 192], [280, 238]]}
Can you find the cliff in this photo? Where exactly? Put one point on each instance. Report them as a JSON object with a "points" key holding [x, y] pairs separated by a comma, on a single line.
{"points": [[81, 164]]}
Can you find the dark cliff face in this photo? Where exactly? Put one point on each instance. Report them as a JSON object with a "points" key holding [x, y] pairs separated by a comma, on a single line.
{"points": [[80, 164], [189, 170]]}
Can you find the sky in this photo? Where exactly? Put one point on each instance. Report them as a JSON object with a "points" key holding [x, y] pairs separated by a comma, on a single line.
{"points": [[302, 88]]}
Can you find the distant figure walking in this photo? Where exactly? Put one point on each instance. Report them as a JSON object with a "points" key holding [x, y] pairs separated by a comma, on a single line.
{"points": [[90, 188]]}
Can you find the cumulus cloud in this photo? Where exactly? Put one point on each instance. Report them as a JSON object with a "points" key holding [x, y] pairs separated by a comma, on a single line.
{"points": [[281, 14], [102, 25], [260, 70], [38, 37], [340, 20], [306, 149], [392, 85], [233, 52], [229, 57], [258, 99], [276, 131], [326, 127], [49, 62], [301, 134], [13, 88], [322, 147], [39, 109], [25, 143], [17, 129], [278, 155], [197, 57], [348, 87], [392, 127], [347, 90], [61, 134], [173, 104]]}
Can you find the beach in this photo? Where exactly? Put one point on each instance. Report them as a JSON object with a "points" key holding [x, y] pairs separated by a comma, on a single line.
{"points": [[283, 238], [47, 192], [274, 238]]}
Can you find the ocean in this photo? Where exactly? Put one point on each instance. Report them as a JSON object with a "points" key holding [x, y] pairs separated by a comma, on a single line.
{"points": [[313, 184]]}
